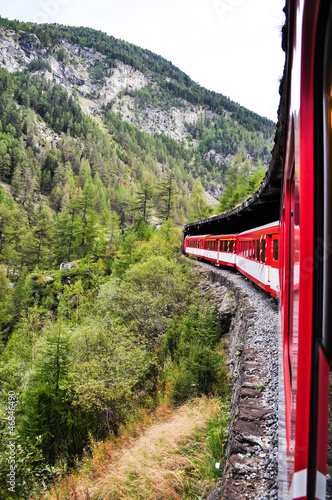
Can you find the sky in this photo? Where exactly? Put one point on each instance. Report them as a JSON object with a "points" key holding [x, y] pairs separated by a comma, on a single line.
{"points": [[230, 46]]}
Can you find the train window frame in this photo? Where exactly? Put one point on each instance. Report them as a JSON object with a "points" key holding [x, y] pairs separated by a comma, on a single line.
{"points": [[258, 250], [275, 253], [263, 250]]}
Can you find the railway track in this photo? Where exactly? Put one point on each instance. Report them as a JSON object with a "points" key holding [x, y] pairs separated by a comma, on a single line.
{"points": [[251, 469]]}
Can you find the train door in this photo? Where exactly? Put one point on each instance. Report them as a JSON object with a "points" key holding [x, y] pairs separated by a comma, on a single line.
{"points": [[291, 317], [218, 250], [322, 293]]}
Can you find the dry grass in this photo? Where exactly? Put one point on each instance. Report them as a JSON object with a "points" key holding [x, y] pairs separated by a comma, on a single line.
{"points": [[157, 465]]}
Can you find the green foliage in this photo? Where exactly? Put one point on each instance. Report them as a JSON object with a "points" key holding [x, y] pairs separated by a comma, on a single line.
{"points": [[39, 64], [198, 206], [85, 349], [150, 294], [240, 183], [194, 362]]}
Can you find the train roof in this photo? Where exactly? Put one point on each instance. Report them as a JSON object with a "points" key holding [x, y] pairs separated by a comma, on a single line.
{"points": [[261, 228], [195, 236]]}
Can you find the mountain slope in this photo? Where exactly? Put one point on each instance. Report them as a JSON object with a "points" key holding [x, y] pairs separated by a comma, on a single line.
{"points": [[80, 107], [148, 90]]}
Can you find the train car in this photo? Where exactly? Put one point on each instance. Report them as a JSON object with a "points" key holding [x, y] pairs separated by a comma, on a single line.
{"points": [[305, 249], [194, 245], [218, 249], [258, 256], [221, 249]]}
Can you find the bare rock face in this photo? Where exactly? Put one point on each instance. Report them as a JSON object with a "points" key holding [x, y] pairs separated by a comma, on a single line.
{"points": [[19, 49]]}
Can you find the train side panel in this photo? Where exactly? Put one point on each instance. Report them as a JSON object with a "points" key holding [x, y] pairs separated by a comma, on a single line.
{"points": [[258, 256]]}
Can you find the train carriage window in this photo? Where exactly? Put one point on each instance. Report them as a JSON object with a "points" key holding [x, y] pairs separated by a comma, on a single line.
{"points": [[263, 250], [275, 249], [253, 250], [258, 243], [231, 246]]}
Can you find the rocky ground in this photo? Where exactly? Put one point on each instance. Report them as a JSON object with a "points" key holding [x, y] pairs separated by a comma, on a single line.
{"points": [[251, 469]]}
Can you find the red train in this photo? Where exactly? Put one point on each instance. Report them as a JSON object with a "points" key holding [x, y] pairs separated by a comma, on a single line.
{"points": [[255, 253], [299, 246]]}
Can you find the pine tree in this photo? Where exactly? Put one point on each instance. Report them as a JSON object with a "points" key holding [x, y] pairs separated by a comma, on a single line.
{"points": [[41, 238], [198, 206], [143, 203], [87, 229], [167, 191]]}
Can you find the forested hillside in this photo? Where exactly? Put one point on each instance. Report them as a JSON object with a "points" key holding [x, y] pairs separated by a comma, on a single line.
{"points": [[106, 150]]}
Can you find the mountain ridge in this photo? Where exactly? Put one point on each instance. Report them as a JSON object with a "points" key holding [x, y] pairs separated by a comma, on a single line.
{"points": [[117, 85]]}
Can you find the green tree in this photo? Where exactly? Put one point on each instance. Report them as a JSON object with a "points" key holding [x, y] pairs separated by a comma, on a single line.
{"points": [[87, 228], [198, 206], [166, 192], [143, 202], [41, 239], [46, 406]]}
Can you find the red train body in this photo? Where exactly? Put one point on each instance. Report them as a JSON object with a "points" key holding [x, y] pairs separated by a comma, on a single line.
{"points": [[305, 262], [292, 259], [254, 253]]}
